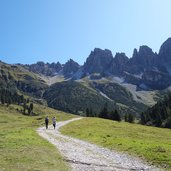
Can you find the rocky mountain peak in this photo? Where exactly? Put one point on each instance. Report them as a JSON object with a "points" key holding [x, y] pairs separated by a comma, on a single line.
{"points": [[144, 50], [165, 53], [141, 60], [118, 63], [98, 60], [135, 53], [166, 46], [44, 68], [70, 67], [121, 58], [40, 63], [99, 52], [164, 57], [144, 68]]}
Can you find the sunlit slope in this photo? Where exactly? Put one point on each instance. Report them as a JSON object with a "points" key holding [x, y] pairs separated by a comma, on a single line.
{"points": [[21, 148], [151, 143], [74, 97]]}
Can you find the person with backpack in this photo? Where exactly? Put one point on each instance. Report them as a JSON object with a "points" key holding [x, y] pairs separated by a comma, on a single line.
{"points": [[54, 122], [46, 122]]}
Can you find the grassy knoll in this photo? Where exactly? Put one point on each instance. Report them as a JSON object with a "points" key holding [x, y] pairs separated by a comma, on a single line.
{"points": [[150, 143], [21, 148]]}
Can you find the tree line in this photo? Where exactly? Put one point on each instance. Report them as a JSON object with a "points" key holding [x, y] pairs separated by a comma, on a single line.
{"points": [[8, 97], [159, 115], [112, 115]]}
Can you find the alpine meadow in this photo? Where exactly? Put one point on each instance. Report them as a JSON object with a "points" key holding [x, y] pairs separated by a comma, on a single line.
{"points": [[85, 85]]}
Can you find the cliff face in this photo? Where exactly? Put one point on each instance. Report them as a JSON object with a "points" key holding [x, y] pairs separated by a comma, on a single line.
{"points": [[44, 68], [98, 61], [164, 57], [118, 64], [70, 68], [142, 60]]}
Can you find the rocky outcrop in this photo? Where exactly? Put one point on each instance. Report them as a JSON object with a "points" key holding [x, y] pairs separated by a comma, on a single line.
{"points": [[44, 69], [142, 60], [144, 68], [118, 64], [131, 78], [98, 61], [156, 79], [164, 57], [70, 68]]}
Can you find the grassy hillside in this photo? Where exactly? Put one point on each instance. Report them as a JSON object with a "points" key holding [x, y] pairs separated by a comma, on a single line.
{"points": [[74, 97], [21, 148], [120, 95], [16, 78], [151, 143]]}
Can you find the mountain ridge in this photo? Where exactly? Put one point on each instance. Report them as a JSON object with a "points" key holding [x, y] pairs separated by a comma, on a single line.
{"points": [[127, 84], [151, 68]]}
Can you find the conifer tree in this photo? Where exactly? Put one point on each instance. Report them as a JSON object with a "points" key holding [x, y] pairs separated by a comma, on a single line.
{"points": [[91, 112], [104, 112], [31, 108], [87, 112], [114, 115], [130, 118]]}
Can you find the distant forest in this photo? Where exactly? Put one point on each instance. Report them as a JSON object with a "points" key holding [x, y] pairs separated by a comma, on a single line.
{"points": [[159, 115]]}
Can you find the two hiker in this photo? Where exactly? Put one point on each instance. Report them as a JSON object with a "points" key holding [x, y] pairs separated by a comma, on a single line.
{"points": [[47, 122]]}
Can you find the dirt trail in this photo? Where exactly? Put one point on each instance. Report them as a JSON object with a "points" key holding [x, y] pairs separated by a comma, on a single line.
{"points": [[84, 156]]}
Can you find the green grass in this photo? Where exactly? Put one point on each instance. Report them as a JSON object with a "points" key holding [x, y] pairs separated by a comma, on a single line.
{"points": [[150, 143], [21, 148], [74, 97]]}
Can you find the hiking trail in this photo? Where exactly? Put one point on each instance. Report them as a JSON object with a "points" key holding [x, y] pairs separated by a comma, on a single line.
{"points": [[84, 156]]}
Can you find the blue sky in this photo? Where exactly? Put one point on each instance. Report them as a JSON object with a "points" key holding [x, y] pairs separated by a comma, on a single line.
{"points": [[57, 30]]}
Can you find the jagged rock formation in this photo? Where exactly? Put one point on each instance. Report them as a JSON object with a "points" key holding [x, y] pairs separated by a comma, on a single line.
{"points": [[103, 78], [70, 68], [142, 60], [98, 61], [45, 69], [164, 57], [145, 69], [118, 64]]}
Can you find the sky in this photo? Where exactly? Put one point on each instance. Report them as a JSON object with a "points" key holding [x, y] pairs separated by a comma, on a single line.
{"points": [[57, 30]]}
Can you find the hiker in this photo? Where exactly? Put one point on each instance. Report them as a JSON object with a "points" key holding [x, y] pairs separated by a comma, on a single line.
{"points": [[54, 122], [46, 122]]}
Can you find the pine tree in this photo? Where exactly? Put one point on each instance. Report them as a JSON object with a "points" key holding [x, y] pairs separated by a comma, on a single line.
{"points": [[91, 112], [31, 108], [28, 100], [130, 118], [87, 112], [117, 116], [104, 112], [2, 99], [143, 119], [126, 117], [9, 101], [168, 123], [24, 107], [114, 115]]}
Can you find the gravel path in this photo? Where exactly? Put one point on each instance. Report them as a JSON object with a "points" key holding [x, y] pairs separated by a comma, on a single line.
{"points": [[84, 156]]}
